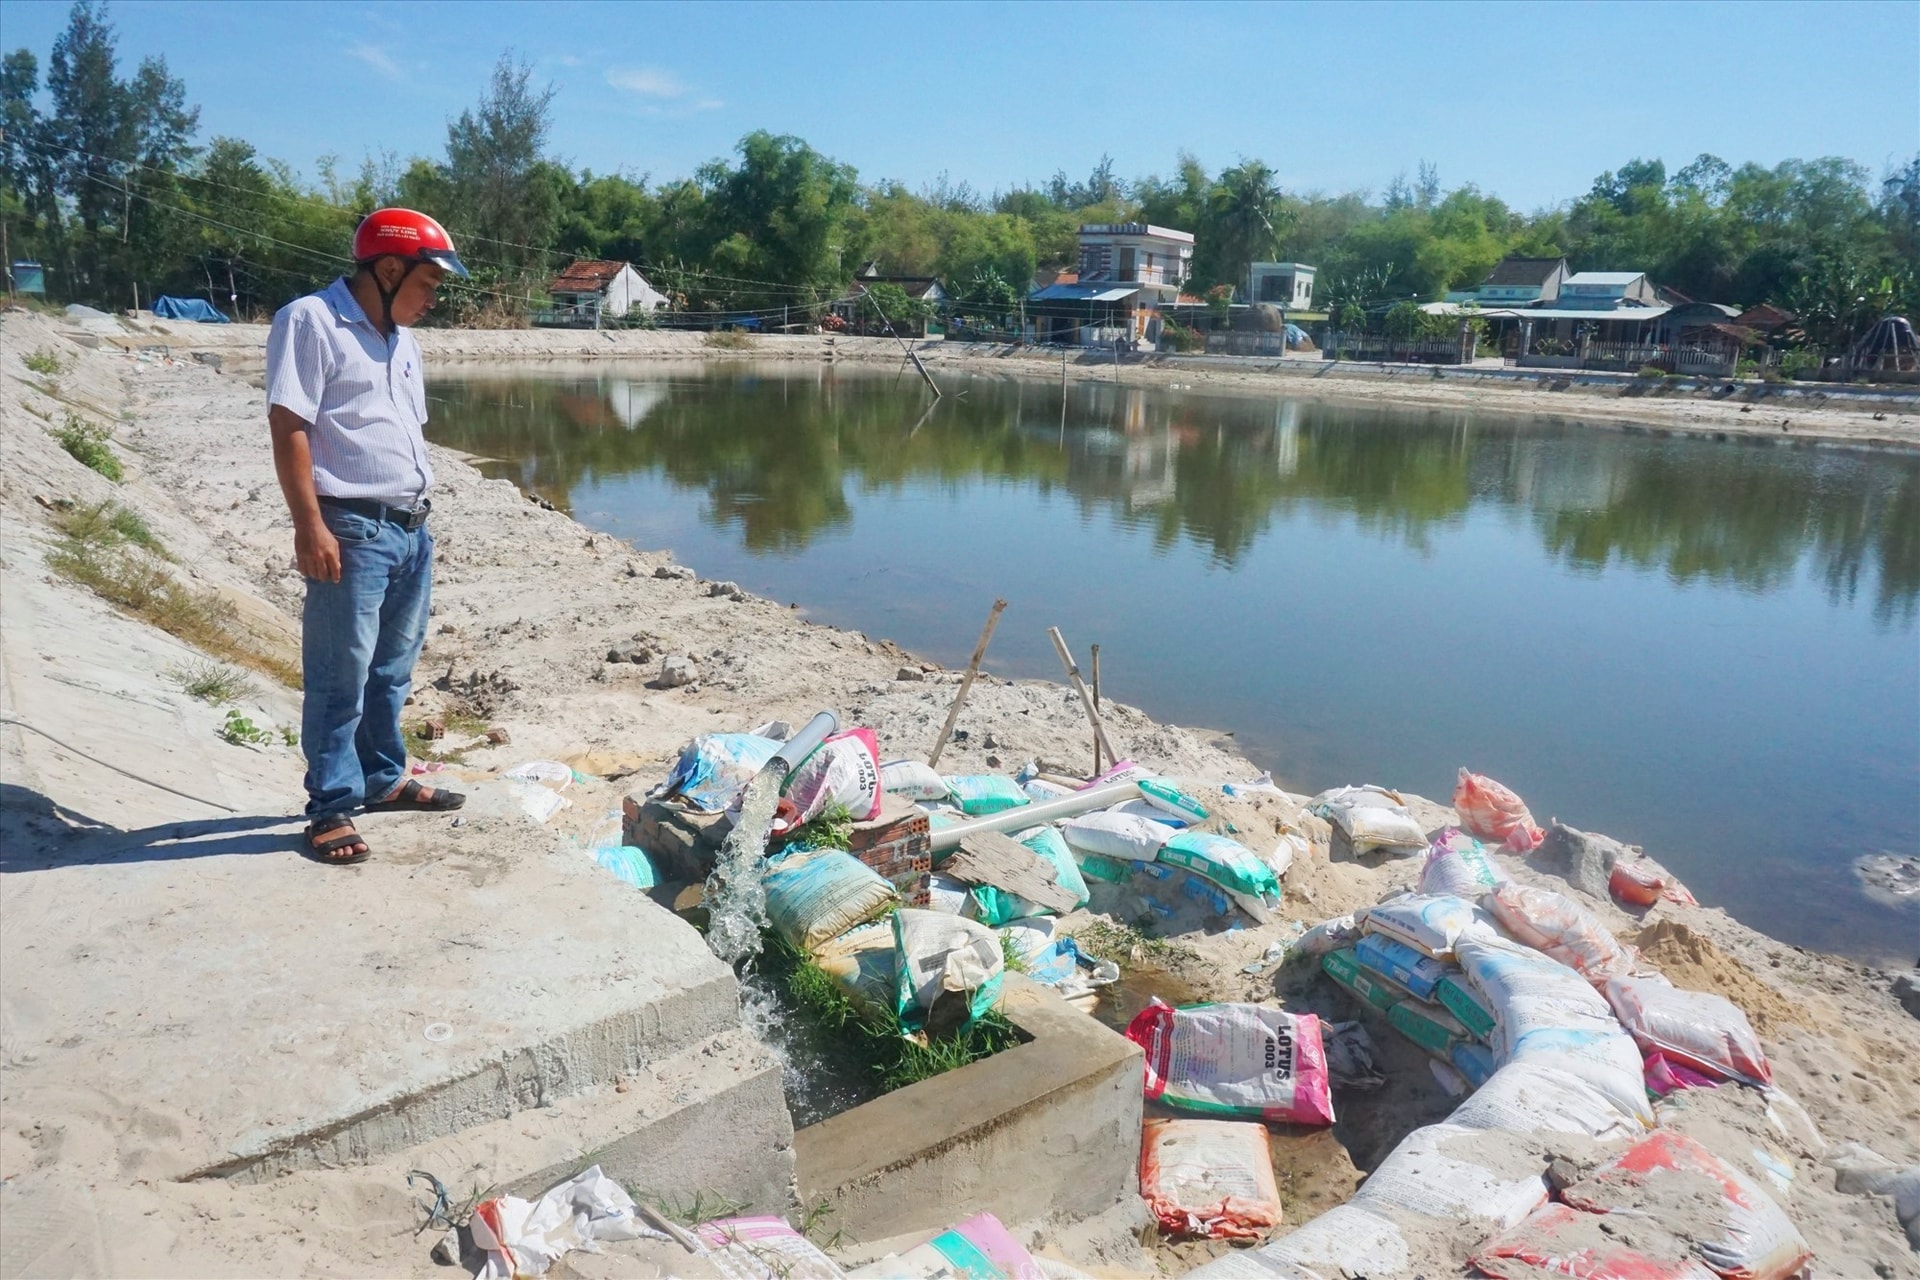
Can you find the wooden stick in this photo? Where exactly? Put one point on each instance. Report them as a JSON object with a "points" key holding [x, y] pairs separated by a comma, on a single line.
{"points": [[1086, 699], [966, 682], [1096, 706]]}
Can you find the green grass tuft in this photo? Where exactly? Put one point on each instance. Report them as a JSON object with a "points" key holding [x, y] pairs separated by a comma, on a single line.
{"points": [[211, 681], [729, 340], [44, 360], [1128, 945], [86, 443]]}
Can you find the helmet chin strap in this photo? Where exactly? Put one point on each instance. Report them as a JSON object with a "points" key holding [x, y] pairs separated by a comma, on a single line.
{"points": [[387, 295]]}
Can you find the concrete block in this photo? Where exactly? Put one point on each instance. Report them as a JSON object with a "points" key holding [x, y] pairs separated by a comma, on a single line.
{"points": [[710, 1119], [680, 842], [895, 843], [1050, 1126]]}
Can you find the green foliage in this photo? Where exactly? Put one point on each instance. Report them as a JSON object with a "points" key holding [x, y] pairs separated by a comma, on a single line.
{"points": [[1650, 371], [242, 732], [43, 360], [831, 828], [1178, 338], [1128, 945], [86, 443]]}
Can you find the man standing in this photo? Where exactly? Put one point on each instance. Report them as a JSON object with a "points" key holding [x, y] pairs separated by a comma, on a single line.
{"points": [[346, 403]]}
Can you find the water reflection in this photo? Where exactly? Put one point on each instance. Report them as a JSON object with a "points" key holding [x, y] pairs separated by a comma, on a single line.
{"points": [[779, 452]]}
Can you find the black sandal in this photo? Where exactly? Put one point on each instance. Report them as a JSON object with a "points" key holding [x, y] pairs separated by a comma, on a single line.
{"points": [[408, 797], [316, 849]]}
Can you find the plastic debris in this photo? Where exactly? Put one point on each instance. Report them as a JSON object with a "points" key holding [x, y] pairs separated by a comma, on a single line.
{"points": [[524, 1238]]}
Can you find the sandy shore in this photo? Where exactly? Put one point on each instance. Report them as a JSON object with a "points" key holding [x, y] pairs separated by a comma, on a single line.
{"points": [[1712, 408], [528, 604]]}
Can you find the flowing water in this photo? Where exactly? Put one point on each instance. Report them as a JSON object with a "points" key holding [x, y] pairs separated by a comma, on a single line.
{"points": [[1706, 648], [736, 894]]}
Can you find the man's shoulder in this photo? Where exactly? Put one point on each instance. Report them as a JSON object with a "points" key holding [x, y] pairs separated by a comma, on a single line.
{"points": [[311, 308]]}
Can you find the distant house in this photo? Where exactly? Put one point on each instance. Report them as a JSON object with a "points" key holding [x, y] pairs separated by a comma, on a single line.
{"points": [[1127, 272], [1287, 285], [865, 319], [1521, 282], [1135, 253], [1765, 318], [1607, 291], [588, 291]]}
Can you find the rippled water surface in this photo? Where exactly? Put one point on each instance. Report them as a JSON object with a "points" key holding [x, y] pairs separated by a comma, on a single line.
{"points": [[1707, 648]]}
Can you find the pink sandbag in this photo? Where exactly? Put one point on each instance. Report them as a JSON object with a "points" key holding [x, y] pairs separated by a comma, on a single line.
{"points": [[1459, 865], [1562, 928], [1670, 1075], [1643, 882], [845, 768], [1209, 1178], [1491, 812], [1742, 1235], [1704, 1031], [1235, 1059], [1562, 1241]]}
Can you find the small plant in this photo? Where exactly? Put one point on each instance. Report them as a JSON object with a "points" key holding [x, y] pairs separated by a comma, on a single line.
{"points": [[1650, 372], [86, 443], [44, 360], [832, 828], [1127, 945], [729, 340], [1010, 953], [243, 732], [210, 681]]}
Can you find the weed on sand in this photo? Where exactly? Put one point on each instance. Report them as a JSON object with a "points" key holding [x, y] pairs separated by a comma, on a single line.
{"points": [[86, 443], [210, 681], [112, 553]]}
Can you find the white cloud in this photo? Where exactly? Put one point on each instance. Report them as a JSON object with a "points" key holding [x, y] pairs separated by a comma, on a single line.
{"points": [[376, 57], [648, 82]]}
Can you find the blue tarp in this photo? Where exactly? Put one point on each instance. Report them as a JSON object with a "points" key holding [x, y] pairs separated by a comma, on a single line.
{"points": [[167, 308]]}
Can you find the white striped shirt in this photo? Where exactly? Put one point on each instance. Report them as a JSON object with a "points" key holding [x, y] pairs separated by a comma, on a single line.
{"points": [[364, 397]]}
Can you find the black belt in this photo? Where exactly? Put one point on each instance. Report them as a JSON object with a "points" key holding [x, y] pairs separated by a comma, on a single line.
{"points": [[408, 518]]}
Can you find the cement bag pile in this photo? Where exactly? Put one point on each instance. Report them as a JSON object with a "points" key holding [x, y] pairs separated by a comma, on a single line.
{"points": [[714, 769], [1235, 1059], [1209, 1178], [978, 1249], [1492, 812], [1666, 1207], [1372, 818], [1116, 835], [763, 1248], [817, 894]]}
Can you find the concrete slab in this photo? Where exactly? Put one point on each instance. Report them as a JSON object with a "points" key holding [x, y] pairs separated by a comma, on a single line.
{"points": [[1050, 1126], [168, 960]]}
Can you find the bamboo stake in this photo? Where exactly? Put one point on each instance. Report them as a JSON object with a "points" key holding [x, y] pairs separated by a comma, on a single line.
{"points": [[966, 682], [1100, 741], [1096, 706]]}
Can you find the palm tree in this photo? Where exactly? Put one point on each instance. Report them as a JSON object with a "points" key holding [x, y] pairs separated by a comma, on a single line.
{"points": [[1245, 205]]}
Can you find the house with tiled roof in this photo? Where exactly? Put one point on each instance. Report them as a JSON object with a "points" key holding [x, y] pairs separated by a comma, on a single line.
{"points": [[590, 290]]}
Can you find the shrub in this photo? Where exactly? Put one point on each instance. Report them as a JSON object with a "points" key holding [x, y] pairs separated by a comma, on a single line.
{"points": [[1179, 338], [44, 360], [210, 681], [730, 340], [86, 443], [1650, 371]]}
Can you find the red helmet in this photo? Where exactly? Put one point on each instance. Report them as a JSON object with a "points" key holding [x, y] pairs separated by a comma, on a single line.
{"points": [[402, 233]]}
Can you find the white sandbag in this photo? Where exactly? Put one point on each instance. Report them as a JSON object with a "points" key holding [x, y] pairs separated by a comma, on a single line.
{"points": [[1546, 1014], [1531, 1098], [861, 963], [1330, 935], [1116, 835], [1372, 818], [1139, 808], [1460, 865], [942, 959], [945, 894], [1557, 925], [817, 894], [1290, 848], [1430, 924], [1225, 861], [913, 780], [1165, 795], [1039, 790], [1429, 1174], [1703, 1030]]}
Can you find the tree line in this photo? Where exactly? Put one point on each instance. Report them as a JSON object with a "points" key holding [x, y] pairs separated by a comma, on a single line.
{"points": [[103, 178]]}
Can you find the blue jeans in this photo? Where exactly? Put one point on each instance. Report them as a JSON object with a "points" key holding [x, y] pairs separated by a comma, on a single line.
{"points": [[360, 637]]}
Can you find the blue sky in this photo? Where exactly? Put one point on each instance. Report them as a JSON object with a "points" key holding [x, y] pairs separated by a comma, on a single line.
{"points": [[1529, 101]]}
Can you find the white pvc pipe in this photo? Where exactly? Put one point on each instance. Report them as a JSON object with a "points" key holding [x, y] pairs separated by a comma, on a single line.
{"points": [[1032, 815]]}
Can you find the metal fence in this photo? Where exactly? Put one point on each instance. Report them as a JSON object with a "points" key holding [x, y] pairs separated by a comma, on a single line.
{"points": [[1373, 346]]}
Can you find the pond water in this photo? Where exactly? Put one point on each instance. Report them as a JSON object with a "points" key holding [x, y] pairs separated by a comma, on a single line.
{"points": [[1706, 648]]}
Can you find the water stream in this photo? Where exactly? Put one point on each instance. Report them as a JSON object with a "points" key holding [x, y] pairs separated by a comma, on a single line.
{"points": [[736, 896]]}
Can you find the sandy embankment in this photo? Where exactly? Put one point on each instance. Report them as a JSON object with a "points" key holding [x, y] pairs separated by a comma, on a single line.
{"points": [[527, 606], [1801, 412]]}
